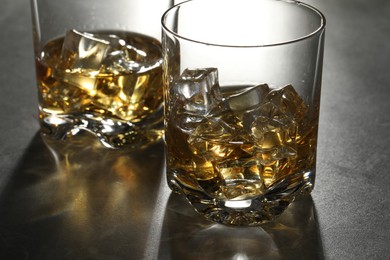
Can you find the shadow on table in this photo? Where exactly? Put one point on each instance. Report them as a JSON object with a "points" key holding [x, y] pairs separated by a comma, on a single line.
{"points": [[295, 235], [79, 200]]}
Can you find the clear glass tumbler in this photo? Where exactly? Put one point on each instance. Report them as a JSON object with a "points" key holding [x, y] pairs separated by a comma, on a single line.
{"points": [[242, 81], [99, 69]]}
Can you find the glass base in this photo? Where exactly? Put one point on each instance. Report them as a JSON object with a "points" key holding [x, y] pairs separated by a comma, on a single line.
{"points": [[250, 212], [112, 133]]}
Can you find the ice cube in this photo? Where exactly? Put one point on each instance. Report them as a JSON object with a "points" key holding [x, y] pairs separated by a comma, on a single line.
{"points": [[276, 136], [271, 132], [276, 121], [273, 136], [214, 139], [84, 52], [127, 57], [203, 169], [187, 122], [275, 155], [248, 98], [215, 129], [276, 170], [197, 90], [223, 113], [267, 134], [213, 151], [288, 101], [242, 167], [241, 178], [265, 110]]}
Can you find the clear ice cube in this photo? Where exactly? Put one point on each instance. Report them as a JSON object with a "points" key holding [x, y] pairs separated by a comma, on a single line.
{"points": [[194, 94], [239, 168], [271, 132], [83, 52], [241, 178], [248, 98], [265, 110], [125, 57], [90, 54], [213, 138], [198, 90], [288, 101], [274, 137], [214, 129], [108, 53], [273, 126], [212, 151], [187, 122]]}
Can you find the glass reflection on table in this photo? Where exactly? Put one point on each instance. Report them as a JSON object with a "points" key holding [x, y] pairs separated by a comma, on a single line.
{"points": [[79, 200], [294, 235]]}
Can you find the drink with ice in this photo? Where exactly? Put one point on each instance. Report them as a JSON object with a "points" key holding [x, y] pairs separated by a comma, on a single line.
{"points": [[242, 101], [106, 82], [238, 147]]}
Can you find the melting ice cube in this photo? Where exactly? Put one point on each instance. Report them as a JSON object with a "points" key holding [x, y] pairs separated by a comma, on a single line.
{"points": [[84, 52], [214, 138], [92, 53], [270, 133], [187, 122], [195, 93], [216, 130], [288, 101], [198, 90], [249, 98], [134, 56]]}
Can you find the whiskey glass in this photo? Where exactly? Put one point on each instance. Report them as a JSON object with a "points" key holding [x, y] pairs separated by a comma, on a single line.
{"points": [[242, 83], [99, 69]]}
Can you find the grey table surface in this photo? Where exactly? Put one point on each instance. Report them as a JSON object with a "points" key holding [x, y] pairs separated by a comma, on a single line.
{"points": [[78, 201]]}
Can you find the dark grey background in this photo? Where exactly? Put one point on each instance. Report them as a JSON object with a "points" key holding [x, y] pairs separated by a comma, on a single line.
{"points": [[89, 203]]}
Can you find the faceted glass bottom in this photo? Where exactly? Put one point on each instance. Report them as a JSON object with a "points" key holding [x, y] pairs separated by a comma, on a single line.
{"points": [[249, 212], [110, 132]]}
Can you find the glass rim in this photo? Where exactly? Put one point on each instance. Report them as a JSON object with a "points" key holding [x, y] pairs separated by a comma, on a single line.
{"points": [[298, 39]]}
